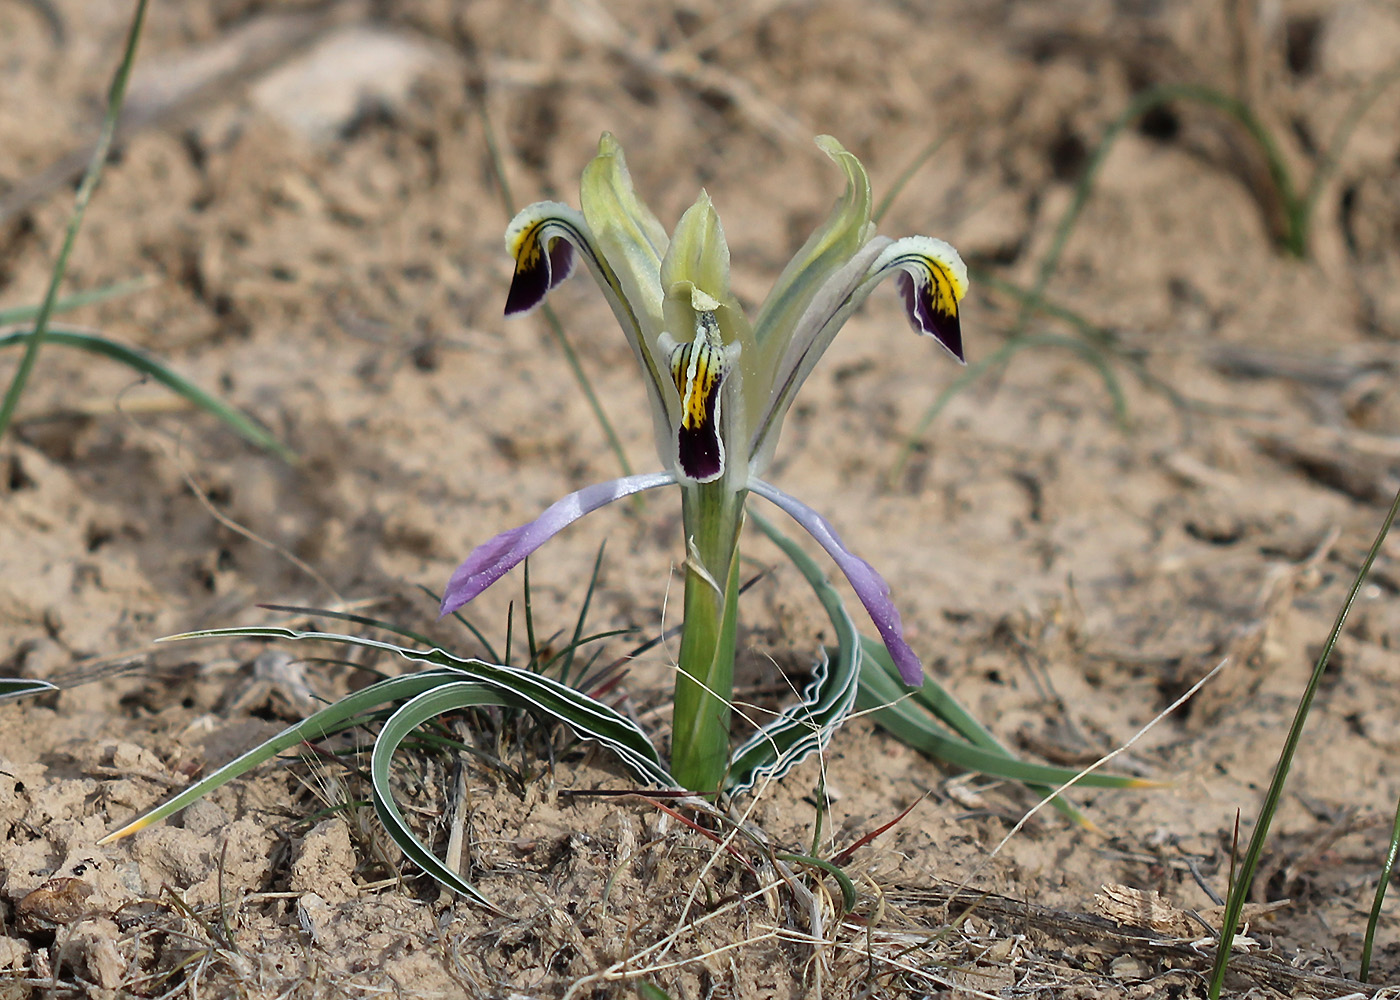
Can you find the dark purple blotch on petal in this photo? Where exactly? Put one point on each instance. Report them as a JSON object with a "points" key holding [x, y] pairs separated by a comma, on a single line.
{"points": [[699, 451], [537, 271], [926, 317], [698, 447]]}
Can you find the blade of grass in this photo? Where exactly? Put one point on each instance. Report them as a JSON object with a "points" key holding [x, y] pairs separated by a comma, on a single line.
{"points": [[1140, 105], [116, 95], [144, 363], [1387, 869], [480, 637], [347, 616], [566, 664], [1033, 300], [120, 289], [576, 644], [848, 888], [532, 659], [1346, 125], [844, 856], [1239, 890], [1090, 331], [510, 630], [907, 175], [998, 359]]}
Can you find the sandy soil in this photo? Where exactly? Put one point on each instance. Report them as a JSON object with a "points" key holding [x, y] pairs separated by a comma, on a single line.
{"points": [[310, 196]]}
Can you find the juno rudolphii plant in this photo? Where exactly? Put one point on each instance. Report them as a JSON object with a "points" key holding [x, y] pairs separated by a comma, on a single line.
{"points": [[719, 387]]}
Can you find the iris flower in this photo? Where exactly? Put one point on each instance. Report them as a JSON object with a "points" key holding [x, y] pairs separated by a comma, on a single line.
{"points": [[719, 388]]}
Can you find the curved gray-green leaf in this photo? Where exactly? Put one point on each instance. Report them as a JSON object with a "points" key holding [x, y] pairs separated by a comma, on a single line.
{"points": [[428, 705], [14, 687], [589, 718], [806, 727]]}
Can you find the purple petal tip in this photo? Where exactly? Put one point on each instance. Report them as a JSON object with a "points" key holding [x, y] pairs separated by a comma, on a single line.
{"points": [[491, 560], [927, 315], [868, 584], [537, 271]]}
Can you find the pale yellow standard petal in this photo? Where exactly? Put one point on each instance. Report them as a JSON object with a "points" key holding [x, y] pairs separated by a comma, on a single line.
{"points": [[628, 236], [698, 262], [627, 233], [699, 253], [826, 251]]}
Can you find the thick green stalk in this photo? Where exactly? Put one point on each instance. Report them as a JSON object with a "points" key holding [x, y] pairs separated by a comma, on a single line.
{"points": [[713, 514]]}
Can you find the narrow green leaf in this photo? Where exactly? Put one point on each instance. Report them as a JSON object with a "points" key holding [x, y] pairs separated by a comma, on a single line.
{"points": [[116, 96], [566, 657], [117, 290], [446, 697], [491, 653], [1387, 869], [328, 721], [1239, 890], [848, 888], [913, 718], [144, 363], [14, 687], [346, 616], [998, 359], [907, 175], [590, 719]]}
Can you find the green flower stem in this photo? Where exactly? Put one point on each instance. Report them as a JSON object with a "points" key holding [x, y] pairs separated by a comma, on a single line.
{"points": [[713, 514]]}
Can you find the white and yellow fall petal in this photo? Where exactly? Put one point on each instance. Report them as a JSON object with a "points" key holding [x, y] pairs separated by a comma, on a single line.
{"points": [[626, 231], [542, 240], [700, 368], [933, 280]]}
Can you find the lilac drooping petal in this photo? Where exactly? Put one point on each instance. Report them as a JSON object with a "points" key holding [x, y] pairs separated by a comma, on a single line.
{"points": [[492, 560], [869, 585]]}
